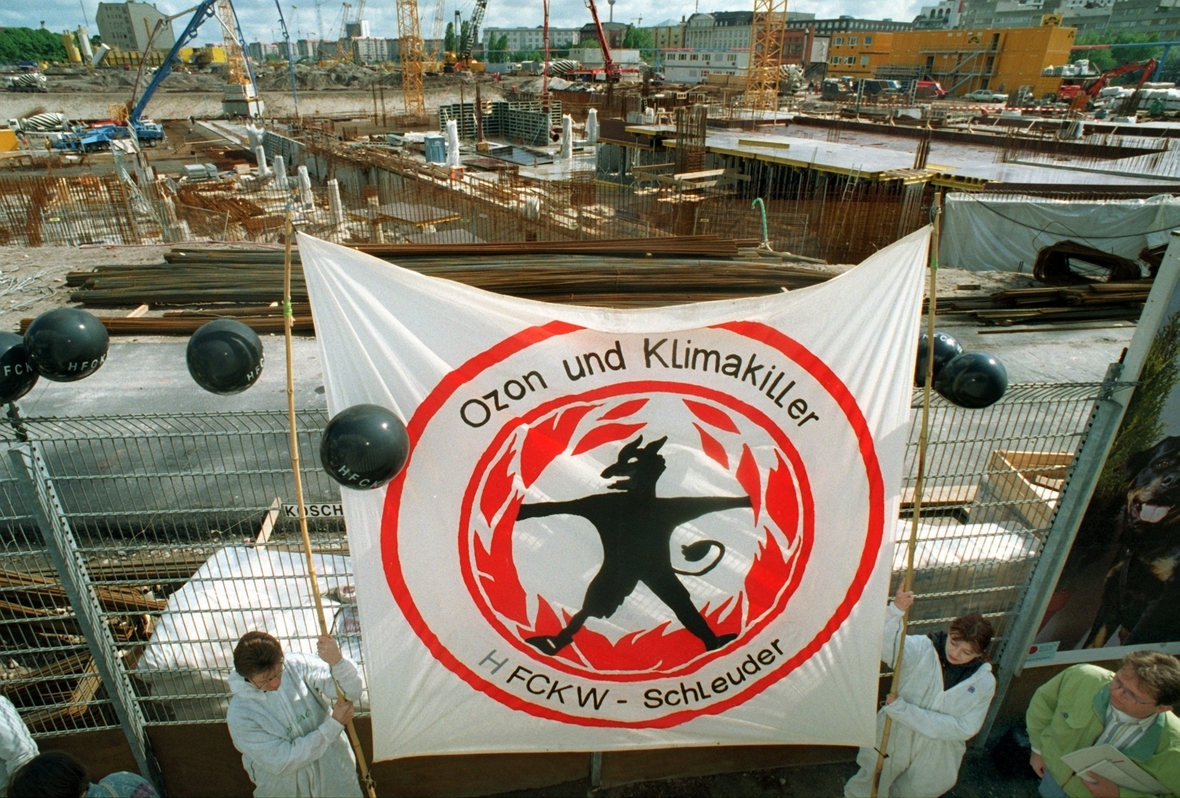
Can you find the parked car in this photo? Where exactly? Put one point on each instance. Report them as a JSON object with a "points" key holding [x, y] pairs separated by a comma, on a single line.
{"points": [[986, 96]]}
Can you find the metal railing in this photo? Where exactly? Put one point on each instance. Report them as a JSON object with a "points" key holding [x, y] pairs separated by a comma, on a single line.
{"points": [[178, 534]]}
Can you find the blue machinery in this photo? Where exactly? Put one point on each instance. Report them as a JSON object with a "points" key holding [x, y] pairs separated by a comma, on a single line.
{"points": [[150, 132]]}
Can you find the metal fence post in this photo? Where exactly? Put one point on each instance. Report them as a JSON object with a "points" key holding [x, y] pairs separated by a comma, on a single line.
{"points": [[1086, 468], [35, 485]]}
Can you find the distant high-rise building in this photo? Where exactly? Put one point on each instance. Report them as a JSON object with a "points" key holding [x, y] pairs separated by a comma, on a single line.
{"points": [[129, 26], [358, 29]]}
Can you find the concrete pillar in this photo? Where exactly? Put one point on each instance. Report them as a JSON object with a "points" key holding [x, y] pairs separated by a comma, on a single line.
{"points": [[280, 169], [567, 137], [335, 205], [253, 136], [376, 234], [592, 126], [260, 155], [453, 144], [306, 198]]}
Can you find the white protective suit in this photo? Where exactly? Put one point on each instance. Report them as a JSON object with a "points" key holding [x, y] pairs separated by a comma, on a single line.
{"points": [[291, 745], [16, 744], [931, 726]]}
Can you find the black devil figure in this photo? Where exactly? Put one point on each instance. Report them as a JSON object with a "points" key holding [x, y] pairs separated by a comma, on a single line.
{"points": [[636, 529]]}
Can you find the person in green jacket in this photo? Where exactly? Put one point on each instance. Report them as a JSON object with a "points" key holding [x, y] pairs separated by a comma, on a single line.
{"points": [[1132, 710]]}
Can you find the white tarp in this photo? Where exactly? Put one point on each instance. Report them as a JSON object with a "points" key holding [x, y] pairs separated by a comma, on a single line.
{"points": [[239, 589], [986, 232], [710, 489]]}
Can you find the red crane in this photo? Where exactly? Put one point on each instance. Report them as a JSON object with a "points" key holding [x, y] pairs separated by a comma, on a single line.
{"points": [[609, 66]]}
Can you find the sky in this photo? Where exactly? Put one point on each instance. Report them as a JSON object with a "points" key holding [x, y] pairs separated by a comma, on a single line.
{"points": [[259, 18]]}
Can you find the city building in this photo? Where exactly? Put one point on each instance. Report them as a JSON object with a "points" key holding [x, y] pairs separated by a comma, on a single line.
{"points": [[728, 30], [357, 30], [614, 32], [369, 50], [962, 61], [129, 26], [693, 66], [260, 52], [939, 17], [530, 39], [669, 34], [1160, 18], [846, 24]]}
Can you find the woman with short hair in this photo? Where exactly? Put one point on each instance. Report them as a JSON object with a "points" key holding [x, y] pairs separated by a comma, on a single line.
{"points": [[56, 774], [945, 689], [287, 721]]}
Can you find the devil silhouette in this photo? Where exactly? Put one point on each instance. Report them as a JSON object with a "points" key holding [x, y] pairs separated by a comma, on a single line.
{"points": [[636, 529]]}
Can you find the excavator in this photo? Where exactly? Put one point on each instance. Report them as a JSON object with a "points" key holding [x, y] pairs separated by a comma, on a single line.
{"points": [[1078, 95]]}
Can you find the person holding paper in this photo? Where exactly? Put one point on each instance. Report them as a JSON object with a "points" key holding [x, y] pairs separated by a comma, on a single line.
{"points": [[287, 721], [946, 687], [1131, 710]]}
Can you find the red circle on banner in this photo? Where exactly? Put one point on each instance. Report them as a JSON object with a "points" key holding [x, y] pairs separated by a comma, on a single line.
{"points": [[756, 331], [793, 566]]}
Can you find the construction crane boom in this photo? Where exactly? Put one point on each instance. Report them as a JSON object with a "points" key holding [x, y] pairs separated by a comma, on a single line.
{"points": [[412, 57], [608, 63], [205, 10], [468, 43]]}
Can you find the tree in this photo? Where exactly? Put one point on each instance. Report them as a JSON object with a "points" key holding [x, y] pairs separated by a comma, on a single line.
{"points": [[449, 38], [29, 44], [641, 39], [1104, 60]]}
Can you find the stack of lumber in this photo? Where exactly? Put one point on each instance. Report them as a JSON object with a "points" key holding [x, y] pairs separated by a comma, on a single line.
{"points": [[37, 612], [1074, 304], [193, 286]]}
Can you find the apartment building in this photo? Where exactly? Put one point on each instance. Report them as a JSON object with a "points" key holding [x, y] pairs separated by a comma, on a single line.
{"points": [[129, 26], [529, 39]]}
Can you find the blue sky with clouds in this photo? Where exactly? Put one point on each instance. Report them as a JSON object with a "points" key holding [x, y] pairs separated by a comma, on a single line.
{"points": [[260, 19]]}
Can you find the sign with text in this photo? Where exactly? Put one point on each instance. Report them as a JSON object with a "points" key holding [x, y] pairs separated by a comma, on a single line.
{"points": [[623, 529]]}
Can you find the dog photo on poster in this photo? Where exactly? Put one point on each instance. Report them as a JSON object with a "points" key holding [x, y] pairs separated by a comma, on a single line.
{"points": [[1120, 585]]}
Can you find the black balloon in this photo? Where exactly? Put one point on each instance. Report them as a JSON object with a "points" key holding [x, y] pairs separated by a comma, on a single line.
{"points": [[224, 357], [945, 349], [364, 446], [973, 379], [66, 344], [17, 375]]}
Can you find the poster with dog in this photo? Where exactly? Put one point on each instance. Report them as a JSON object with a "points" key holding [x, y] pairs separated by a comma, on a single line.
{"points": [[629, 528], [1120, 585]]}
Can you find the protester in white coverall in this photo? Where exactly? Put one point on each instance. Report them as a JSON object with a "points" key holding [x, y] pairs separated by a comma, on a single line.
{"points": [[286, 720], [941, 702], [16, 744]]}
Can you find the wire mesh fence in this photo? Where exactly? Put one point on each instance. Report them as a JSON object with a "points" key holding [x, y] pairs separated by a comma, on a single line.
{"points": [[186, 533], [993, 478]]}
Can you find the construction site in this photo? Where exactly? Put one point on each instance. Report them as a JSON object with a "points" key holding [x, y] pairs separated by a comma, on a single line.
{"points": [[157, 198]]}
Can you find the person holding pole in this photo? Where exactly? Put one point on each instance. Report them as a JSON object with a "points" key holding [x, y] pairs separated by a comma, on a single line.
{"points": [[1086, 705], [283, 720], [945, 689]]}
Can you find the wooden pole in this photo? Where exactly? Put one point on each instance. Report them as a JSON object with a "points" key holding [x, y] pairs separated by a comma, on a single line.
{"points": [[919, 487], [288, 321]]}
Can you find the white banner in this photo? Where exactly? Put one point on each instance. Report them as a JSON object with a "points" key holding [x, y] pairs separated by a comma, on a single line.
{"points": [[623, 528]]}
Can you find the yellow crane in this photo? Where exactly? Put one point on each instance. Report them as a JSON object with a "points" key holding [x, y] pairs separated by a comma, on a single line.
{"points": [[413, 58], [768, 32]]}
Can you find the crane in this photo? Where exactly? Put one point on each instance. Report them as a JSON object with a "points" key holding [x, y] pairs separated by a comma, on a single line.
{"points": [[412, 57], [343, 50], [467, 42], [290, 56], [609, 67], [768, 30], [440, 8], [243, 86]]}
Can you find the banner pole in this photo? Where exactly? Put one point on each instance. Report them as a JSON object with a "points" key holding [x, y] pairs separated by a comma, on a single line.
{"points": [[920, 485], [288, 322]]}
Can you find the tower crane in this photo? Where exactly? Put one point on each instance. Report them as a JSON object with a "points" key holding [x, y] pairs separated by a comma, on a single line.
{"points": [[437, 31], [768, 31], [412, 57]]}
